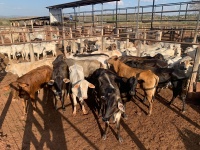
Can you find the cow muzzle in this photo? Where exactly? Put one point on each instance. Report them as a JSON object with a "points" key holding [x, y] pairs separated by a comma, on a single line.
{"points": [[132, 93], [105, 120]]}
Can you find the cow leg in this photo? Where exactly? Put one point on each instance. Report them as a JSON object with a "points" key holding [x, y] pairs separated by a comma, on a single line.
{"points": [[124, 115], [74, 103], [63, 100], [118, 129], [24, 103], [55, 102], [83, 107], [106, 131], [150, 95]]}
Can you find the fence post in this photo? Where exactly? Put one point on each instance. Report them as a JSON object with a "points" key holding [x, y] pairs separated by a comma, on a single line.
{"points": [[2, 40], [81, 45], [194, 70], [127, 40], [30, 47], [145, 36]]}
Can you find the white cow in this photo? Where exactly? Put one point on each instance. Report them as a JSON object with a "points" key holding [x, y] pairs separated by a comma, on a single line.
{"points": [[49, 47], [79, 86], [38, 48], [22, 68], [6, 50], [37, 35], [15, 37], [19, 49]]}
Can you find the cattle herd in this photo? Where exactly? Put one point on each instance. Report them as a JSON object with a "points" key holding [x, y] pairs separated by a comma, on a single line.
{"points": [[113, 77]]}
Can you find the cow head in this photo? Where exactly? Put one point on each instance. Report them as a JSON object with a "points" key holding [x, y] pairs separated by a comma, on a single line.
{"points": [[112, 59], [58, 82], [112, 105], [21, 90], [81, 88], [132, 82]]}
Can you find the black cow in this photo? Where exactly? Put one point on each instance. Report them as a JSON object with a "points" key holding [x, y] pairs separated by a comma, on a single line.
{"points": [[147, 63], [108, 94], [59, 80], [124, 59], [169, 76]]}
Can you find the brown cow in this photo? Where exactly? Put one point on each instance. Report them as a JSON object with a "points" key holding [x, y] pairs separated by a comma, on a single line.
{"points": [[147, 79], [27, 85]]}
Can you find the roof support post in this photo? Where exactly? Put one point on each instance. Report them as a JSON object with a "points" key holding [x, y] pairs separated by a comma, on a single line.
{"points": [[75, 16], [152, 13], [137, 24], [196, 30], [93, 15], [116, 15]]}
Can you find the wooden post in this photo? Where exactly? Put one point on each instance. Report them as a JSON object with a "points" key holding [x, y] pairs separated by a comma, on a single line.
{"points": [[81, 45], [73, 46], [145, 36], [195, 70], [65, 44], [70, 33], [51, 34], [11, 39], [159, 35], [104, 44], [2, 40], [127, 40], [30, 47]]}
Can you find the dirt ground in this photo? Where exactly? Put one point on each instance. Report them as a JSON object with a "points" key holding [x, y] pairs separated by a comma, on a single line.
{"points": [[166, 129]]}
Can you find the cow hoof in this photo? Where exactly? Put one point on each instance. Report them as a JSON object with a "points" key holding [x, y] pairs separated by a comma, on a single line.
{"points": [[104, 137], [149, 114], [85, 113], [125, 116], [183, 111], [120, 139]]}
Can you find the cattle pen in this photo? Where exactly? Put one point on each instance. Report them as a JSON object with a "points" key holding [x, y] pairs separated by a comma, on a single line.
{"points": [[75, 33]]}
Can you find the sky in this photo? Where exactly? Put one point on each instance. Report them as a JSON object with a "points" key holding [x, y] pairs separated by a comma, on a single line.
{"points": [[38, 7]]}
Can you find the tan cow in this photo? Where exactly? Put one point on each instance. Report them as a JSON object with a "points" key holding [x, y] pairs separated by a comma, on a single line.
{"points": [[27, 85], [147, 80]]}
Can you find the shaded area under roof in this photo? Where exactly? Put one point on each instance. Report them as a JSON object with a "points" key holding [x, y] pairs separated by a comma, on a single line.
{"points": [[80, 3], [30, 18]]}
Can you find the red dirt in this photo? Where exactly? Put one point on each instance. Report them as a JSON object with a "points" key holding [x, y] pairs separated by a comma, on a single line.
{"points": [[166, 129]]}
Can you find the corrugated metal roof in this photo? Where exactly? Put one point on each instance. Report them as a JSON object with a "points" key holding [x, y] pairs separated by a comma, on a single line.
{"points": [[30, 18], [80, 3]]}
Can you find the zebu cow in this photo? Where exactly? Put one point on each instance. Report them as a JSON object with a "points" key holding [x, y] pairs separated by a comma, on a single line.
{"points": [[59, 80], [79, 86], [38, 48], [19, 49], [22, 68], [100, 57], [28, 84], [89, 66], [147, 79], [6, 50], [109, 97], [49, 47]]}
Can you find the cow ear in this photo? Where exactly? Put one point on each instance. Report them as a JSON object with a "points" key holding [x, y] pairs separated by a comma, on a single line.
{"points": [[66, 80], [121, 107], [14, 85], [91, 86], [23, 85], [76, 85], [51, 82]]}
